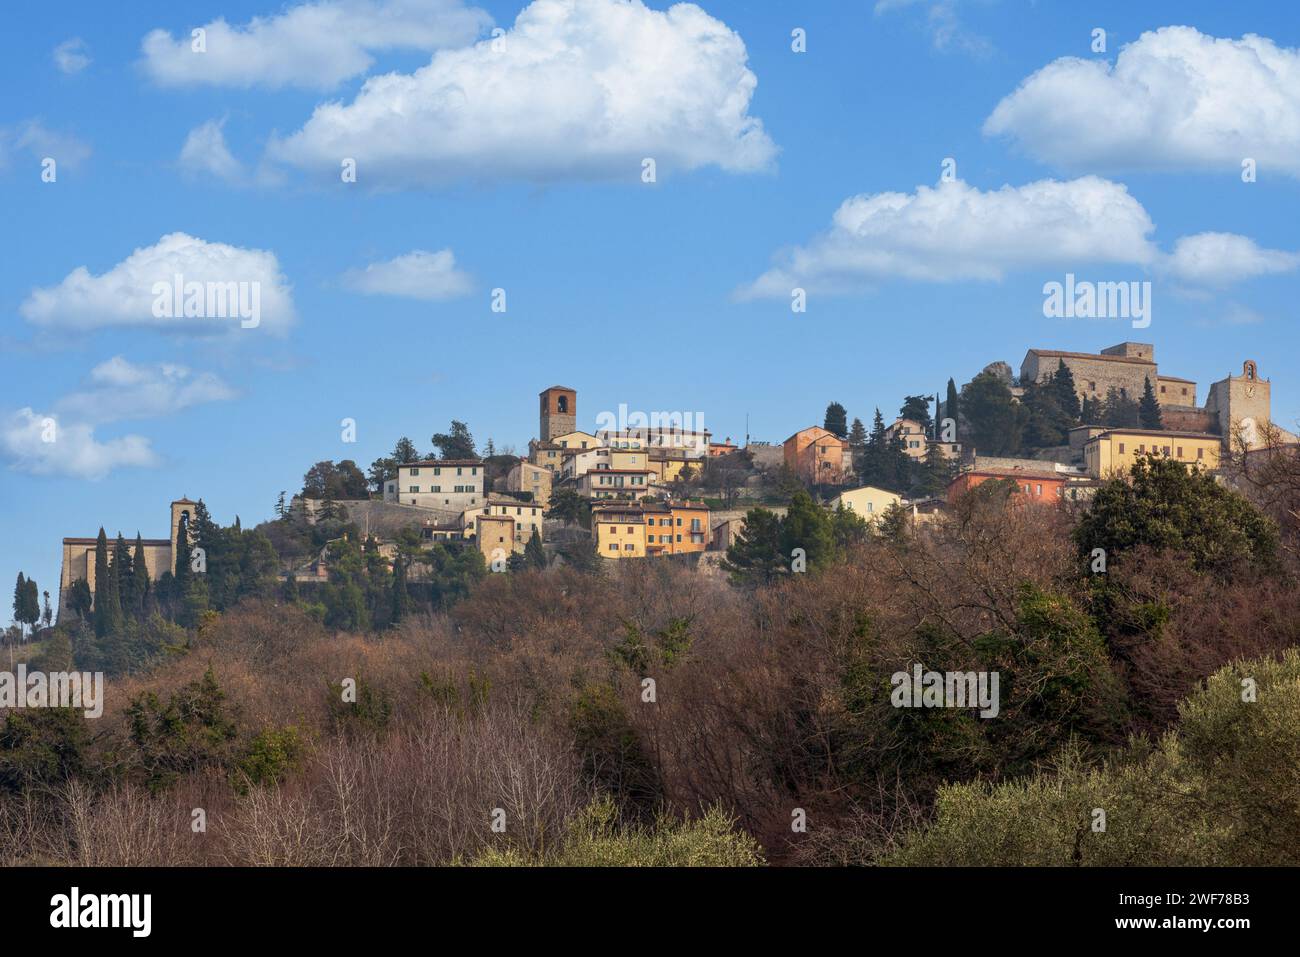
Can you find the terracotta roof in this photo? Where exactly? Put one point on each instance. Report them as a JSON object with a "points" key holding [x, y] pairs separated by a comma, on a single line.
{"points": [[1168, 435], [130, 541], [1174, 378], [429, 463]]}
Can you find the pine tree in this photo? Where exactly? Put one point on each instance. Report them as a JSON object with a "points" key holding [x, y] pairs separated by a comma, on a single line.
{"points": [[1063, 386], [857, 443], [836, 421], [879, 459], [1149, 408], [1091, 412]]}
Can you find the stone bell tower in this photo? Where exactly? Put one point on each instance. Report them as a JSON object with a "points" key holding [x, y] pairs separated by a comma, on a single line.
{"points": [[559, 412], [1241, 404]]}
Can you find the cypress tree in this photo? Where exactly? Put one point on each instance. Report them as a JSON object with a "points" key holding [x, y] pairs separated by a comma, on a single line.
{"points": [[20, 588], [534, 553], [137, 598], [950, 406], [122, 572], [401, 598], [108, 609]]}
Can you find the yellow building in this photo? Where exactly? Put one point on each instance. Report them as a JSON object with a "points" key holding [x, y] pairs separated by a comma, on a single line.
{"points": [[668, 467], [619, 530], [577, 440], [1114, 451], [868, 501]]}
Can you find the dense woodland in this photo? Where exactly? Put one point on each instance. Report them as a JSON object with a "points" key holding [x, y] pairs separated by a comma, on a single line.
{"points": [[377, 719]]}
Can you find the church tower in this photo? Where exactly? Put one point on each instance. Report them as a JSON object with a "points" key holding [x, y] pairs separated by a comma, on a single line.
{"points": [[181, 508], [559, 412], [1242, 405]]}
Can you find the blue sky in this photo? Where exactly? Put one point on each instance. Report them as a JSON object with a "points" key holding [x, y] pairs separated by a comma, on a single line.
{"points": [[665, 296]]}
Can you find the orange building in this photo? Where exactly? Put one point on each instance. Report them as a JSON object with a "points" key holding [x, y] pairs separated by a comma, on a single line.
{"points": [[675, 528], [1033, 485], [818, 457]]}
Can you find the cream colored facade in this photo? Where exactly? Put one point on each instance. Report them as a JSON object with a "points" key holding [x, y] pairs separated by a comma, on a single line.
{"points": [[867, 501], [1112, 453], [447, 484], [912, 433], [527, 477], [613, 483]]}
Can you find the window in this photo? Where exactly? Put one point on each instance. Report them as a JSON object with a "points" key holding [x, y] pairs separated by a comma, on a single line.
{"points": [[1162, 390], [437, 470], [1092, 387], [415, 472], [459, 470], [415, 489], [1165, 450], [628, 547], [435, 489], [1184, 390], [1039, 491], [871, 506], [1180, 451], [1200, 453], [679, 538], [1121, 448]]}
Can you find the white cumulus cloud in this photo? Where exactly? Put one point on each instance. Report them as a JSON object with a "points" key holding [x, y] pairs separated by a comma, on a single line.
{"points": [[955, 231], [582, 89], [309, 46], [1218, 259], [225, 283], [118, 389], [1173, 99], [45, 445], [416, 275]]}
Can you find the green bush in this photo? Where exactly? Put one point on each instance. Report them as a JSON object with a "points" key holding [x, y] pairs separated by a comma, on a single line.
{"points": [[595, 840], [1221, 790]]}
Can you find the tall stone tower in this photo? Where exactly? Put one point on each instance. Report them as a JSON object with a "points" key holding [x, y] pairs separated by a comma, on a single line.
{"points": [[559, 412], [1241, 403], [181, 508]]}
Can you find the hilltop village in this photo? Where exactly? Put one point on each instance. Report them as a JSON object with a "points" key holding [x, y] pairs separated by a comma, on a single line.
{"points": [[661, 487]]}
